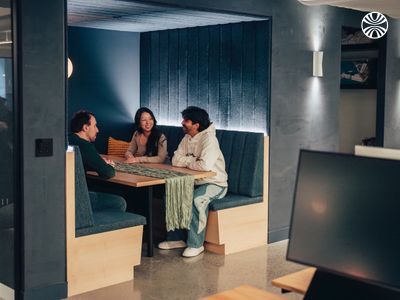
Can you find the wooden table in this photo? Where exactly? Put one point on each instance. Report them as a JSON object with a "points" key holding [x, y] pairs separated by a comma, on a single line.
{"points": [[245, 292], [297, 282], [138, 181]]}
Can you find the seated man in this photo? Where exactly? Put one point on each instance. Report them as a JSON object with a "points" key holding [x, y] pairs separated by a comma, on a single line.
{"points": [[83, 133], [198, 150]]}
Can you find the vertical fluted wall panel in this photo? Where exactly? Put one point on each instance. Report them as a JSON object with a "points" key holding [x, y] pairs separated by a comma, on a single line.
{"points": [[223, 69]]}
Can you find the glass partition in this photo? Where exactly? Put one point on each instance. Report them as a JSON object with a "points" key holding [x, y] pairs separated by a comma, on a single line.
{"points": [[7, 276]]}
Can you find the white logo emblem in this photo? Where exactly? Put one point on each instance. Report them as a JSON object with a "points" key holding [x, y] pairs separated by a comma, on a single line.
{"points": [[374, 25]]}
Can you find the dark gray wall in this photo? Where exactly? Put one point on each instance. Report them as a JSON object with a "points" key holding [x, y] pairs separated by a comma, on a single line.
{"points": [[41, 85], [105, 79], [223, 69], [392, 91], [304, 110]]}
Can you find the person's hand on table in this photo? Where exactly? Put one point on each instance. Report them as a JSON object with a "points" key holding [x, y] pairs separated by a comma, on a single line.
{"points": [[131, 160], [109, 162]]}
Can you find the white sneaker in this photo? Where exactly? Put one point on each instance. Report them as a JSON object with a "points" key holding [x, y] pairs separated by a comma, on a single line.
{"points": [[191, 252], [168, 245]]}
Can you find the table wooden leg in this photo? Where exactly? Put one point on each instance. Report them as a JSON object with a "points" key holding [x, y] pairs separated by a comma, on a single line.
{"points": [[150, 221]]}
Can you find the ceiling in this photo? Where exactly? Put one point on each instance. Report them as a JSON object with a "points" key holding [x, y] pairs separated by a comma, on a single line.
{"points": [[143, 17], [387, 7]]}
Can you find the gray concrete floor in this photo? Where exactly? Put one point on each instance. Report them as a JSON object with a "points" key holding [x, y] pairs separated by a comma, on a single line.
{"points": [[167, 275]]}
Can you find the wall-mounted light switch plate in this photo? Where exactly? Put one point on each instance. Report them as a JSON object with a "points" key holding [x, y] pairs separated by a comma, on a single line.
{"points": [[43, 147]]}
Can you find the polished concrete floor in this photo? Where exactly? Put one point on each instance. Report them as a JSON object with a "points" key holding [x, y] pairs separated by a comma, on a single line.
{"points": [[167, 275]]}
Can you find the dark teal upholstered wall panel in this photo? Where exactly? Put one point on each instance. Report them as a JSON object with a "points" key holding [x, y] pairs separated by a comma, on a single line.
{"points": [[222, 68]]}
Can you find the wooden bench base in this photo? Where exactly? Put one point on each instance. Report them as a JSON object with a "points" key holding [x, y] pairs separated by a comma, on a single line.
{"points": [[97, 260], [236, 229], [104, 259]]}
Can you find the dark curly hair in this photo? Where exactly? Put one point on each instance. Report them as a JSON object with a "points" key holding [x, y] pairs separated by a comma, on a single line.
{"points": [[197, 115], [79, 119]]}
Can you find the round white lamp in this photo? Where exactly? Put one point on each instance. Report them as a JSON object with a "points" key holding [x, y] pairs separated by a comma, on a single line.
{"points": [[70, 68]]}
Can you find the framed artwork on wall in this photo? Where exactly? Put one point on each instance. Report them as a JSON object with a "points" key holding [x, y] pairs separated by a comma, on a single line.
{"points": [[358, 73]]}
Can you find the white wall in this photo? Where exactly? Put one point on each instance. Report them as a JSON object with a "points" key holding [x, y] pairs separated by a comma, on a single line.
{"points": [[357, 117]]}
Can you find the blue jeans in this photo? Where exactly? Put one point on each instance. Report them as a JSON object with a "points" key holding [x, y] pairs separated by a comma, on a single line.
{"points": [[202, 197]]}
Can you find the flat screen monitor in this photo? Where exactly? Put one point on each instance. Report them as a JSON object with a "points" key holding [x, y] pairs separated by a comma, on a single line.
{"points": [[346, 217]]}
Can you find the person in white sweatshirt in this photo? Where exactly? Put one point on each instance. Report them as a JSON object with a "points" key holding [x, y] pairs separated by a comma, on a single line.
{"points": [[198, 150]]}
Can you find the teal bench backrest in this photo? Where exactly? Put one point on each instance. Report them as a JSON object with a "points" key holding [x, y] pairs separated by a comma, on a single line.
{"points": [[243, 153], [83, 207]]}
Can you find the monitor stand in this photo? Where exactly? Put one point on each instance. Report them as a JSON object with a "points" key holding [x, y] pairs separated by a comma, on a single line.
{"points": [[328, 286]]}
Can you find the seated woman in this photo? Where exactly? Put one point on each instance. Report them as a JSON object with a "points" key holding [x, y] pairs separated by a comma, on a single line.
{"points": [[148, 144]]}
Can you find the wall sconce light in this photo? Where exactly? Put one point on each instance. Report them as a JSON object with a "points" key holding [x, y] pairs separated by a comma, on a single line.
{"points": [[70, 68], [317, 63]]}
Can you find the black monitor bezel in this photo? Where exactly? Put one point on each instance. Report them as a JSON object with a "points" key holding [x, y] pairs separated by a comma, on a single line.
{"points": [[368, 281]]}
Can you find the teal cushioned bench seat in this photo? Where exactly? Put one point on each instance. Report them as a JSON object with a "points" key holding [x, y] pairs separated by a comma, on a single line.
{"points": [[232, 200], [244, 162], [111, 220], [97, 212]]}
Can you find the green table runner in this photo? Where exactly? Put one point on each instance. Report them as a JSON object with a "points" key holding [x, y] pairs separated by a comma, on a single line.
{"points": [[178, 192]]}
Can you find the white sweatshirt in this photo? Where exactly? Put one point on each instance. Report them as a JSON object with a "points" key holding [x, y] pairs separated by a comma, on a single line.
{"points": [[202, 153]]}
